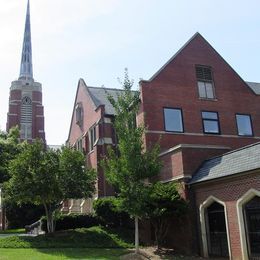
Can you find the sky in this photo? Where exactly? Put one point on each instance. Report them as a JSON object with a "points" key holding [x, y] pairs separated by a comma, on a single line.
{"points": [[97, 39]]}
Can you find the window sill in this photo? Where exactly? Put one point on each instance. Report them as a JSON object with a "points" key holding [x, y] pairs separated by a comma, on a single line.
{"points": [[211, 133], [176, 132], [208, 99]]}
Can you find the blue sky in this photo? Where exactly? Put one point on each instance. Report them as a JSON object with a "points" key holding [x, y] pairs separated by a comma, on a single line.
{"points": [[96, 39]]}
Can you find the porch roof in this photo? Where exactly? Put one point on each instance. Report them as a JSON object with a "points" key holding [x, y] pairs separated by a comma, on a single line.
{"points": [[237, 161]]}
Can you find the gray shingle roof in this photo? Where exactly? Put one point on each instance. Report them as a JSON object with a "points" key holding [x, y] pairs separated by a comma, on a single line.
{"points": [[99, 97], [254, 86], [242, 160]]}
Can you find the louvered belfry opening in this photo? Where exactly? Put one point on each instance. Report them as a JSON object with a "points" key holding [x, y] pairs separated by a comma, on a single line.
{"points": [[203, 73], [26, 118]]}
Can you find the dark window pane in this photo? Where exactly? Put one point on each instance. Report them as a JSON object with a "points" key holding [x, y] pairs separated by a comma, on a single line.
{"points": [[210, 122], [244, 126], [173, 120]]}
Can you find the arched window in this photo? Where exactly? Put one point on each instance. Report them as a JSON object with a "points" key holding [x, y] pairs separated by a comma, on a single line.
{"points": [[252, 225]]}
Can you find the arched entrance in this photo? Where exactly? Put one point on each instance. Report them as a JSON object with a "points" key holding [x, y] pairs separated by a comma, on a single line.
{"points": [[252, 227], [216, 230]]}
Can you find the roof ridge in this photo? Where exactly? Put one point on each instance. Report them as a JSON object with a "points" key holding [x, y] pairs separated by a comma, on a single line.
{"points": [[105, 88], [175, 55], [252, 82]]}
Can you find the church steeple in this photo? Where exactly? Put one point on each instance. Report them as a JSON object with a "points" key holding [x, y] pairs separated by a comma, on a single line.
{"points": [[25, 101], [26, 70]]}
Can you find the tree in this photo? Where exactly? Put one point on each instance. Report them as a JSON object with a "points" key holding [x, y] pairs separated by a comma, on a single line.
{"points": [[46, 177], [129, 166], [164, 202], [9, 148]]}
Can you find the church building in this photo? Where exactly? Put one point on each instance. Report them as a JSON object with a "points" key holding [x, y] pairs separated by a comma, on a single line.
{"points": [[207, 119], [25, 100]]}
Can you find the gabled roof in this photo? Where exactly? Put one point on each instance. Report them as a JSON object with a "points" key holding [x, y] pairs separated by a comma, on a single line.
{"points": [[99, 97], [254, 86], [197, 34], [235, 162]]}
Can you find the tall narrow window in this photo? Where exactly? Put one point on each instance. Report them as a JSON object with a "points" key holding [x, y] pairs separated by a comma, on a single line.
{"points": [[244, 125], [173, 119], [92, 138], [26, 118], [205, 82], [79, 114], [210, 122]]}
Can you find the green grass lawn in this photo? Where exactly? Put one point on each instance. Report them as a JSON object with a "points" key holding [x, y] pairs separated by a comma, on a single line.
{"points": [[82, 243], [94, 237], [12, 231], [61, 253]]}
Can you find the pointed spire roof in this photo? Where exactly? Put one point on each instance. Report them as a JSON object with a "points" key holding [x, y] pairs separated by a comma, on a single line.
{"points": [[26, 70]]}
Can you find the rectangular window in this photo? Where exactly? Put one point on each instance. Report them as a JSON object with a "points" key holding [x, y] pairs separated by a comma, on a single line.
{"points": [[205, 82], [244, 125], [210, 122], [92, 138], [79, 145], [173, 120]]}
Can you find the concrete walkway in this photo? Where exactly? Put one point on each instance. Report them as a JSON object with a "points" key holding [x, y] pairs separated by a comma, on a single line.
{"points": [[17, 234]]}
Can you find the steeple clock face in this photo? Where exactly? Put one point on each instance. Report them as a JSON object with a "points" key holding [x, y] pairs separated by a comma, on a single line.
{"points": [[27, 101]]}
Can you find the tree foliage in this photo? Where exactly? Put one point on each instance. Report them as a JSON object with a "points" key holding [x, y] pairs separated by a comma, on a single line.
{"points": [[129, 165], [46, 177], [164, 202], [8, 149]]}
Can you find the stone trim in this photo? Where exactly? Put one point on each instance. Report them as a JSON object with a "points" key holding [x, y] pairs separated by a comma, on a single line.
{"points": [[198, 134], [203, 206], [177, 178], [240, 203], [193, 146]]}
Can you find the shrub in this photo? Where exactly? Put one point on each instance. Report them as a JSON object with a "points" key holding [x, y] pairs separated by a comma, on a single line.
{"points": [[109, 212], [21, 215], [73, 221]]}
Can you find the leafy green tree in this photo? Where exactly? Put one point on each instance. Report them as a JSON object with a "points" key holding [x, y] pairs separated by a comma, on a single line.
{"points": [[9, 148], [164, 202], [129, 165], [46, 177]]}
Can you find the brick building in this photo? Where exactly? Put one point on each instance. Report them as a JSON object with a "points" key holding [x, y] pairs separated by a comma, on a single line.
{"points": [[25, 100], [91, 131], [207, 119]]}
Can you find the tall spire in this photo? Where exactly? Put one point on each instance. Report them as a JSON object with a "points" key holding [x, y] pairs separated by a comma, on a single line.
{"points": [[26, 71]]}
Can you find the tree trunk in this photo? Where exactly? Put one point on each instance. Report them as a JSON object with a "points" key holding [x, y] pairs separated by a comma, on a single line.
{"points": [[49, 217], [136, 236]]}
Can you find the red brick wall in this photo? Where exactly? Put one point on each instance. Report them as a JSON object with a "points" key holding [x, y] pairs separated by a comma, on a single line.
{"points": [[228, 190], [176, 86], [91, 115], [37, 109]]}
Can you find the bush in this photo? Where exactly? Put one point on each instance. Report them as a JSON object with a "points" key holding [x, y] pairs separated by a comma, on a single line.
{"points": [[73, 221], [22, 215], [109, 212]]}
